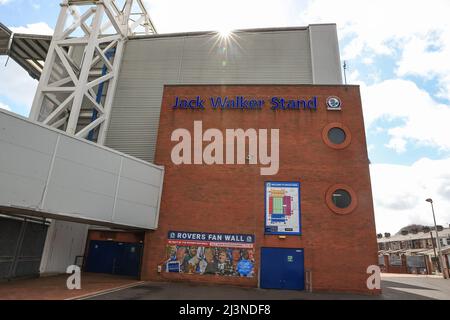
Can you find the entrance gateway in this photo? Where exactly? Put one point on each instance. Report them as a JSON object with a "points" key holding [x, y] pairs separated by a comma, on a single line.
{"points": [[114, 257], [282, 268]]}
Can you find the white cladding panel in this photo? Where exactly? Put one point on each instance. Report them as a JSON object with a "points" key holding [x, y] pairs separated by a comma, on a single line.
{"points": [[249, 57], [23, 184], [325, 60], [55, 174], [65, 241]]}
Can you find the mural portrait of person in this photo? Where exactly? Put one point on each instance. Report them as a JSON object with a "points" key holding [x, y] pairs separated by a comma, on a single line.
{"points": [[171, 252], [180, 255], [194, 261], [175, 260], [222, 262], [189, 263], [210, 260], [236, 257], [245, 266], [251, 255]]}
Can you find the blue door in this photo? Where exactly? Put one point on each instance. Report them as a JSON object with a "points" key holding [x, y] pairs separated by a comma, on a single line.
{"points": [[282, 268], [114, 257], [129, 259], [101, 258]]}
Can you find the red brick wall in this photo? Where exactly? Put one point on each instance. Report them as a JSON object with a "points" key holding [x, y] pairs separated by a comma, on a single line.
{"points": [[395, 269], [230, 198], [119, 236]]}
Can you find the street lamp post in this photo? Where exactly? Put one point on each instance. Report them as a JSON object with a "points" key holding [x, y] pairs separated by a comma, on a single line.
{"points": [[434, 250], [441, 260]]}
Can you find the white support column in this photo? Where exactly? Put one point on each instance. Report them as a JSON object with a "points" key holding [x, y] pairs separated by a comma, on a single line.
{"points": [[79, 63], [85, 68], [49, 61], [110, 97]]}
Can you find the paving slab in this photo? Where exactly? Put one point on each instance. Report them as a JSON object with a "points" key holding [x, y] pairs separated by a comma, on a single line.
{"points": [[111, 287], [55, 288], [394, 287], [418, 286]]}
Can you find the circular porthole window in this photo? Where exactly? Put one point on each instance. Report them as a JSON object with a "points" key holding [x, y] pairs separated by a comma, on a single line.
{"points": [[341, 199], [336, 135]]}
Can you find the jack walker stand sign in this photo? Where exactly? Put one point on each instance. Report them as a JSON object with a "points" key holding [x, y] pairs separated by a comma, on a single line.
{"points": [[210, 253], [282, 206]]}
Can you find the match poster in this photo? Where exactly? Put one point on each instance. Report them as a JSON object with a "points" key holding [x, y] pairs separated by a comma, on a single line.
{"points": [[210, 253], [282, 206]]}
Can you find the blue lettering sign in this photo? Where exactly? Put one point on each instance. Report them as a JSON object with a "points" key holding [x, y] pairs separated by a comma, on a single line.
{"points": [[238, 102], [243, 103], [213, 237], [196, 103], [284, 104]]}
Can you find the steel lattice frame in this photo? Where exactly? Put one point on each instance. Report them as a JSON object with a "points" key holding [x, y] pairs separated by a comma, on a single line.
{"points": [[80, 74]]}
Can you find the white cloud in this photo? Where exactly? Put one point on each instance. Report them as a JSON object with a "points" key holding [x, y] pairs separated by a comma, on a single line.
{"points": [[400, 191], [16, 84], [34, 28], [368, 60], [422, 119], [4, 106], [375, 24], [4, 1], [204, 15], [397, 144], [353, 77], [428, 57], [419, 31]]}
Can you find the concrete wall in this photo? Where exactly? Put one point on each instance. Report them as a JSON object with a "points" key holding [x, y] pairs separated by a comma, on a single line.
{"points": [[307, 55]]}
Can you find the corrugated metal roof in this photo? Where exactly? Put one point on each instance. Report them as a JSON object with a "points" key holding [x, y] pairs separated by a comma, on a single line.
{"points": [[149, 63], [28, 50]]}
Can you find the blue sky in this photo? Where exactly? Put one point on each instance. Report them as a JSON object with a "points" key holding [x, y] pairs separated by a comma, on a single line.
{"points": [[397, 51], [17, 13]]}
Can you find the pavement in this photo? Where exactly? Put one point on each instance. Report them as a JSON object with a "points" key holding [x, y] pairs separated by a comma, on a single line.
{"points": [[109, 287], [55, 288], [192, 291], [415, 287]]}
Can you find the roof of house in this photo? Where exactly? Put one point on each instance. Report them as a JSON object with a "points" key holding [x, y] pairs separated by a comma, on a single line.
{"points": [[414, 236]]}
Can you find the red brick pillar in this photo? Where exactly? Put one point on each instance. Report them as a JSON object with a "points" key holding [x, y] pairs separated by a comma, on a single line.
{"points": [[386, 263]]}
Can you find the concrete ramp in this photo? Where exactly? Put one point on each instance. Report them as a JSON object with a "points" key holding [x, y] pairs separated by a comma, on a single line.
{"points": [[47, 173]]}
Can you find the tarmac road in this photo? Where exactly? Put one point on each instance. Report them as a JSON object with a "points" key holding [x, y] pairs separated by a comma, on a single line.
{"points": [[394, 287]]}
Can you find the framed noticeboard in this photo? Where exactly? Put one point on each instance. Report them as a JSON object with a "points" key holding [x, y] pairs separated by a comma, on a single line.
{"points": [[202, 253], [282, 208]]}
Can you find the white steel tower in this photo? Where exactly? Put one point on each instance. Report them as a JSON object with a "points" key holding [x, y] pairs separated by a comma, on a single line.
{"points": [[79, 78]]}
